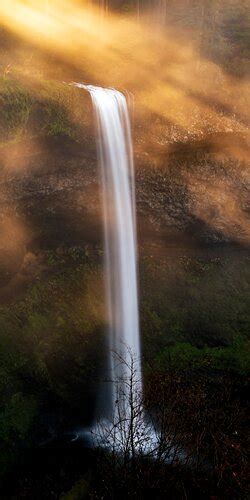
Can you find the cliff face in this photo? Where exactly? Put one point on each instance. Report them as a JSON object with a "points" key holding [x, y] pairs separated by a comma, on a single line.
{"points": [[49, 198], [191, 194], [198, 191]]}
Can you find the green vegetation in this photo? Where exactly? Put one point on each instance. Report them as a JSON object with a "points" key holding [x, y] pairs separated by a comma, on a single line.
{"points": [[185, 356], [50, 346], [16, 105], [16, 422], [199, 301], [46, 109], [51, 334]]}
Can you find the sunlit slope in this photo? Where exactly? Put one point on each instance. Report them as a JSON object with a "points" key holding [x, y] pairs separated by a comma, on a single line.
{"points": [[164, 70]]}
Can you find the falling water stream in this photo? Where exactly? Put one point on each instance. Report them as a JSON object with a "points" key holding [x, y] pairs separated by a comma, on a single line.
{"points": [[122, 423], [117, 171]]}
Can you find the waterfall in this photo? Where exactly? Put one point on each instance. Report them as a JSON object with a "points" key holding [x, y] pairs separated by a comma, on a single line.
{"points": [[118, 193], [123, 427]]}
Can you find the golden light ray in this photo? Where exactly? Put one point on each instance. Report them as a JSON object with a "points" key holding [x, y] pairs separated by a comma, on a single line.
{"points": [[117, 51]]}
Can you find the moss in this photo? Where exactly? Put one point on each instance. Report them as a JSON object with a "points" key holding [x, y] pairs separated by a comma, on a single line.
{"points": [[48, 109], [184, 356], [16, 105], [210, 310]]}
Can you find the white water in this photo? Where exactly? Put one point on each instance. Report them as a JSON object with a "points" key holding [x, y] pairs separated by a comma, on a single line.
{"points": [[117, 170], [122, 426]]}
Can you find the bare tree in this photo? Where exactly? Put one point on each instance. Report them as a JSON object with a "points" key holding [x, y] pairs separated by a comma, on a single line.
{"points": [[134, 432]]}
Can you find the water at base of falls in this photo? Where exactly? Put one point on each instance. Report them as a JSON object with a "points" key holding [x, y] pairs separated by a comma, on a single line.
{"points": [[107, 435]]}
